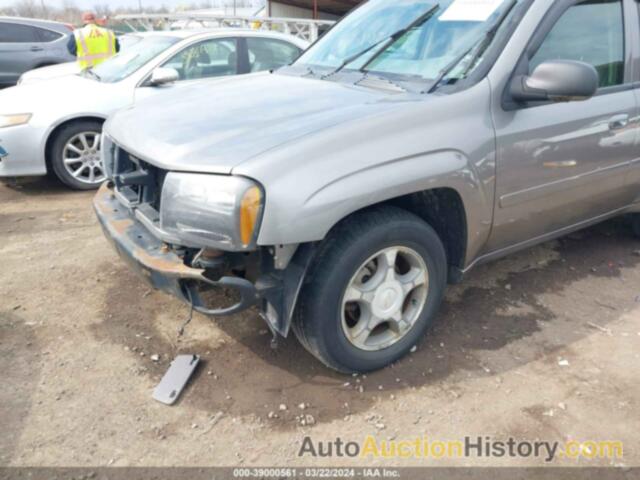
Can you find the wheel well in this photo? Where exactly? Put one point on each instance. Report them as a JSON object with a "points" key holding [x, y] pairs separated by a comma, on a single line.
{"points": [[55, 131], [443, 209]]}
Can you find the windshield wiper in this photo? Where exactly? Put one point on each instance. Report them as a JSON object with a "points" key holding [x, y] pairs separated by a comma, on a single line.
{"points": [[388, 41], [93, 74], [481, 45]]}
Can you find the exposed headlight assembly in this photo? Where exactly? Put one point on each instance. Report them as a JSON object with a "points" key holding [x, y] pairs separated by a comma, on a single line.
{"points": [[215, 211], [14, 120]]}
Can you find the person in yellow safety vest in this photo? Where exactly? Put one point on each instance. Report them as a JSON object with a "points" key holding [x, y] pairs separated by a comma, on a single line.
{"points": [[92, 44]]}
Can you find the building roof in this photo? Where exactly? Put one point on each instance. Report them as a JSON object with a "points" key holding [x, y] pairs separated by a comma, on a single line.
{"points": [[335, 7]]}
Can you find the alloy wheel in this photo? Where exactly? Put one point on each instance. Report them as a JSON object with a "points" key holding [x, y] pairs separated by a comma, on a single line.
{"points": [[81, 158], [385, 298]]}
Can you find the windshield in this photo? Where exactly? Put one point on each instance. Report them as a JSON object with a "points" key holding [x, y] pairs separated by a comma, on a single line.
{"points": [[424, 51], [133, 58]]}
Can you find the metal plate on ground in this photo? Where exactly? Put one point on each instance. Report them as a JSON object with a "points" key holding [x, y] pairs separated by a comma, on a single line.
{"points": [[174, 381]]}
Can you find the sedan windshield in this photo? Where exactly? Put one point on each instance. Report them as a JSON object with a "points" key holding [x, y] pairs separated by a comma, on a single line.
{"points": [[409, 38], [133, 58]]}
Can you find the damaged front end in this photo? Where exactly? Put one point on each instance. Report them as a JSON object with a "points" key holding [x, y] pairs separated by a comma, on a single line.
{"points": [[258, 278]]}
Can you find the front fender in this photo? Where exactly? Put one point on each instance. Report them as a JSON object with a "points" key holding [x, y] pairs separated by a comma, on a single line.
{"points": [[436, 142]]}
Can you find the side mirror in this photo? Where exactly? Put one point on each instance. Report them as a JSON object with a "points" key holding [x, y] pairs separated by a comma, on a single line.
{"points": [[557, 81], [162, 76]]}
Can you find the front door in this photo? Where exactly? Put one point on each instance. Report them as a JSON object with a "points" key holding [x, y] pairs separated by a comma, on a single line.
{"points": [[217, 57], [561, 164]]}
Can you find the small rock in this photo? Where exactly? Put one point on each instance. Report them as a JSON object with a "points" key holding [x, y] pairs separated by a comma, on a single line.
{"points": [[563, 363], [508, 286], [302, 406], [380, 426], [155, 358], [562, 406], [414, 349], [282, 407]]}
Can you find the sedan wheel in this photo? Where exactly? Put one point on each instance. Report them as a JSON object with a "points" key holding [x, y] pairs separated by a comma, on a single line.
{"points": [[75, 155], [81, 157]]}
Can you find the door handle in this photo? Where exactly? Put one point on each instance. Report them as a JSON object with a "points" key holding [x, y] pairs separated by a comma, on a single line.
{"points": [[619, 122], [36, 49]]}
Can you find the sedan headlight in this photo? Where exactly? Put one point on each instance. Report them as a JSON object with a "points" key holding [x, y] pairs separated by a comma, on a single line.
{"points": [[14, 120], [214, 211]]}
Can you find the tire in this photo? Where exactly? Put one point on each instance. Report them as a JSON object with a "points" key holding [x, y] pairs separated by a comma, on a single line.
{"points": [[357, 253], [68, 144], [635, 223]]}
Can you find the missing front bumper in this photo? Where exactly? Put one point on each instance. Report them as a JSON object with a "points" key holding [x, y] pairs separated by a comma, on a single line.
{"points": [[162, 268]]}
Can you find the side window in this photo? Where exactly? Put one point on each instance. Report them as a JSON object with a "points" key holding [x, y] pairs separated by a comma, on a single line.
{"points": [[211, 58], [48, 35], [268, 53], [591, 32], [15, 33]]}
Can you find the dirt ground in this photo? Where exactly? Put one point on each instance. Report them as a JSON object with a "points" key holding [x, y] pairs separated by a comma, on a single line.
{"points": [[542, 345]]}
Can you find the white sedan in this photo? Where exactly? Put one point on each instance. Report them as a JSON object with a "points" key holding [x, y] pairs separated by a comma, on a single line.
{"points": [[55, 125]]}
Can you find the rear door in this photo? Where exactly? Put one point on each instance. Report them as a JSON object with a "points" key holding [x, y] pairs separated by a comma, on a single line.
{"points": [[20, 46], [562, 164], [269, 53]]}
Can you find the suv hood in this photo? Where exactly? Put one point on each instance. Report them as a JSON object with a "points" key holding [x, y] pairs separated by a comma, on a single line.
{"points": [[214, 128]]}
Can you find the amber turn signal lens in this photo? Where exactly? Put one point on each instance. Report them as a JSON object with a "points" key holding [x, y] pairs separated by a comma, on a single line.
{"points": [[249, 211]]}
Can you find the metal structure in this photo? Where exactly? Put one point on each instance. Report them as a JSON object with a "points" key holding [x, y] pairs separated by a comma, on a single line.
{"points": [[332, 7], [306, 29]]}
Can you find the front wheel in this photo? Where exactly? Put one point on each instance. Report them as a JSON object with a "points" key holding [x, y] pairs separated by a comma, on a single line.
{"points": [[75, 156], [375, 286]]}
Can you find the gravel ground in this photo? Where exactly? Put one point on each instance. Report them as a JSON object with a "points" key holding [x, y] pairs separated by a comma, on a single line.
{"points": [[542, 345]]}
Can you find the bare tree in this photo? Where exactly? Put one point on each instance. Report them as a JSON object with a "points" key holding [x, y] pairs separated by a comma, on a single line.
{"points": [[27, 8], [70, 13]]}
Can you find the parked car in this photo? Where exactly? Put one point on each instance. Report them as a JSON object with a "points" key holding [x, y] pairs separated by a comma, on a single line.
{"points": [[410, 144], [26, 44], [71, 68], [54, 125]]}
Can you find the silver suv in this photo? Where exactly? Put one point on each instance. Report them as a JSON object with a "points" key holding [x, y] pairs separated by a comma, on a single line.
{"points": [[26, 44], [413, 142]]}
